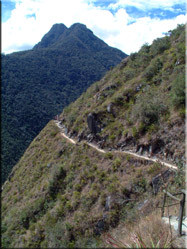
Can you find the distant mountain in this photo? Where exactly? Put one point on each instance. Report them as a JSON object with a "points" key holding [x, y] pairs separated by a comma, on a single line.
{"points": [[37, 84]]}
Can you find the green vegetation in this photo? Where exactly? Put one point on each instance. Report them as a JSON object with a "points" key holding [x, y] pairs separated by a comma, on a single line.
{"points": [[58, 207], [178, 91], [64, 195], [147, 98], [37, 84], [149, 107]]}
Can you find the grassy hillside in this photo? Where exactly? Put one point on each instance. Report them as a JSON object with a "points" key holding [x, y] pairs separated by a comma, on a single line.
{"points": [[64, 195], [140, 104], [57, 195]]}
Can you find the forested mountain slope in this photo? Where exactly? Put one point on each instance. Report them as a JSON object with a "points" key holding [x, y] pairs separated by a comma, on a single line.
{"points": [[62, 194], [37, 84]]}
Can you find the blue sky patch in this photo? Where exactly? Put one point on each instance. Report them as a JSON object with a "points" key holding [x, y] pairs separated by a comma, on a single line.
{"points": [[155, 13], [104, 4], [168, 14], [161, 13], [31, 15], [6, 8]]}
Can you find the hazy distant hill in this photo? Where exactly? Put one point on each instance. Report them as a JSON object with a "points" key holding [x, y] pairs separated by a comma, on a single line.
{"points": [[37, 84]]}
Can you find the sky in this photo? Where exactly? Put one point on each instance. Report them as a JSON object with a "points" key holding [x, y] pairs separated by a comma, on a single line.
{"points": [[124, 24]]}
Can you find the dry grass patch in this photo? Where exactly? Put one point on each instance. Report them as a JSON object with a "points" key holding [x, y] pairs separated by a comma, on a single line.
{"points": [[150, 232]]}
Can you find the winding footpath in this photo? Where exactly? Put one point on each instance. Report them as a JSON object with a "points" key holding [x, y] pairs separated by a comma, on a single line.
{"points": [[115, 151]]}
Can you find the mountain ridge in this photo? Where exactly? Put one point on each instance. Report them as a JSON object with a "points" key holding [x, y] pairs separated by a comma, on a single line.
{"points": [[57, 35], [38, 83]]}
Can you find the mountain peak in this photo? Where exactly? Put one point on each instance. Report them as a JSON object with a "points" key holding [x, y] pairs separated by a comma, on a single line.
{"points": [[77, 35], [52, 36], [78, 26], [58, 27]]}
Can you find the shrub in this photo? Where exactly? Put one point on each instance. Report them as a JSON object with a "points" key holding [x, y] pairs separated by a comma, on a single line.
{"points": [[144, 49], [101, 176], [139, 184], [112, 188], [180, 175], [112, 137], [152, 128], [5, 239], [175, 33], [160, 45], [78, 187], [68, 206], [125, 132], [116, 164], [141, 128], [76, 194], [54, 132], [178, 91], [153, 69], [182, 112], [144, 56], [96, 87], [71, 118], [118, 100], [58, 173], [109, 155], [133, 56], [129, 74], [25, 218], [57, 235], [134, 132], [149, 107], [181, 53], [113, 217], [154, 169], [128, 157]]}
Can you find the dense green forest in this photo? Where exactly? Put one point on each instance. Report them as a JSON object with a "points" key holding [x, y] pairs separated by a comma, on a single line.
{"points": [[37, 84]]}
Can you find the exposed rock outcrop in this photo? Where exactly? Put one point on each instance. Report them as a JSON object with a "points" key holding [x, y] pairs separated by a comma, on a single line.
{"points": [[110, 108], [160, 179], [93, 123]]}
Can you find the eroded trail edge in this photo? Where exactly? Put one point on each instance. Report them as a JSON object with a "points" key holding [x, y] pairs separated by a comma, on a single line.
{"points": [[73, 141]]}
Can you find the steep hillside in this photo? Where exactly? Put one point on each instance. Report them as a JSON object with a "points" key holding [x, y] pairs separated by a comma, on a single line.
{"points": [[139, 105], [37, 84], [64, 194]]}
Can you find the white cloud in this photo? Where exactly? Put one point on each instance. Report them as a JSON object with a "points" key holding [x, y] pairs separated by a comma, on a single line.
{"points": [[145, 4], [20, 31], [130, 38]]}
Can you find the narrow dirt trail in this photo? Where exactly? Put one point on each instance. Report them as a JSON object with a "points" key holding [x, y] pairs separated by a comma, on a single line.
{"points": [[95, 147], [73, 141], [149, 159]]}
